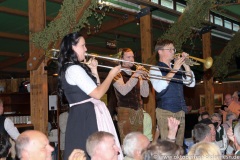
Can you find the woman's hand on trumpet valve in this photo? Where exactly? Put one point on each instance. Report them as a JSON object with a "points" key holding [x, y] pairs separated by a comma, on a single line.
{"points": [[92, 63]]}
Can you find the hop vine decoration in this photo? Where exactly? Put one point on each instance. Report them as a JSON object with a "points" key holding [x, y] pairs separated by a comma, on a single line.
{"points": [[222, 62], [66, 21], [193, 16]]}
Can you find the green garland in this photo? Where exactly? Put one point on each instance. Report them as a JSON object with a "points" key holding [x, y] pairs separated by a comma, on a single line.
{"points": [[194, 16], [220, 67], [59, 27]]}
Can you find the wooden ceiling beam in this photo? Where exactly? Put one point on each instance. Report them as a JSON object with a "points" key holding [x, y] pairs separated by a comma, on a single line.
{"points": [[125, 34], [12, 69], [12, 54], [12, 61], [226, 4], [110, 25], [56, 1], [110, 14], [14, 36], [231, 14], [19, 13], [101, 49], [154, 5]]}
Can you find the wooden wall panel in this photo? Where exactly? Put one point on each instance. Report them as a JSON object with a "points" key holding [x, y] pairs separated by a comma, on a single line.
{"points": [[11, 85], [192, 94]]}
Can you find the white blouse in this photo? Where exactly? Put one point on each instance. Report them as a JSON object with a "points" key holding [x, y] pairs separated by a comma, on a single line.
{"points": [[76, 75]]}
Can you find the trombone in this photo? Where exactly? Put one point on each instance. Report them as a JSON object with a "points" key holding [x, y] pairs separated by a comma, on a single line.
{"points": [[153, 67]]}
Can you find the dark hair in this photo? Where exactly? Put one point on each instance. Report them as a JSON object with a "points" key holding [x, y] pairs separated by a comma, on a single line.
{"points": [[204, 113], [160, 44], [68, 57], [200, 131], [223, 107], [5, 145]]}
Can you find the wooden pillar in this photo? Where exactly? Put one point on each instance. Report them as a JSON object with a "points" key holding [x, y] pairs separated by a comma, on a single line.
{"points": [[208, 76], [146, 52], [38, 77]]}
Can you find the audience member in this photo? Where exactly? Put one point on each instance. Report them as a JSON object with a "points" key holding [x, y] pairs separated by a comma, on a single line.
{"points": [[233, 106], [204, 151], [162, 150], [102, 146], [228, 123], [202, 133], [212, 126], [33, 145], [204, 115], [7, 126], [135, 142], [228, 99], [235, 137], [133, 145], [157, 134], [77, 154], [173, 125], [221, 136], [147, 126], [229, 119], [200, 111], [5, 146], [235, 96], [189, 109], [62, 126]]}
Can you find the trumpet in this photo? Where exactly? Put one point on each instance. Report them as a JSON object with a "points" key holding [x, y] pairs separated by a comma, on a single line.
{"points": [[153, 67], [189, 61], [144, 75]]}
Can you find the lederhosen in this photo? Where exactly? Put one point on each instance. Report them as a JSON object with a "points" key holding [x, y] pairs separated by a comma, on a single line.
{"points": [[130, 114]]}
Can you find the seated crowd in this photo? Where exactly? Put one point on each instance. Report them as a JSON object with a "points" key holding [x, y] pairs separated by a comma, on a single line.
{"points": [[215, 137]]}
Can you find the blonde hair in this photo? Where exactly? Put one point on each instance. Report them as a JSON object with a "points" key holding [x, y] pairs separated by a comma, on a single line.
{"points": [[204, 151]]}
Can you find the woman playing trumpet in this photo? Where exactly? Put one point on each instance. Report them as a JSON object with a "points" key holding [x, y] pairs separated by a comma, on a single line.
{"points": [[169, 93], [80, 83], [129, 87]]}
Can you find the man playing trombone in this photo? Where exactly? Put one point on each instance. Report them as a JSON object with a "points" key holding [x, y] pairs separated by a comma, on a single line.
{"points": [[169, 90], [129, 86]]}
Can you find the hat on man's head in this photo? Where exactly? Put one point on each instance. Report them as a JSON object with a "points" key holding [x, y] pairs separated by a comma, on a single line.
{"points": [[207, 121]]}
